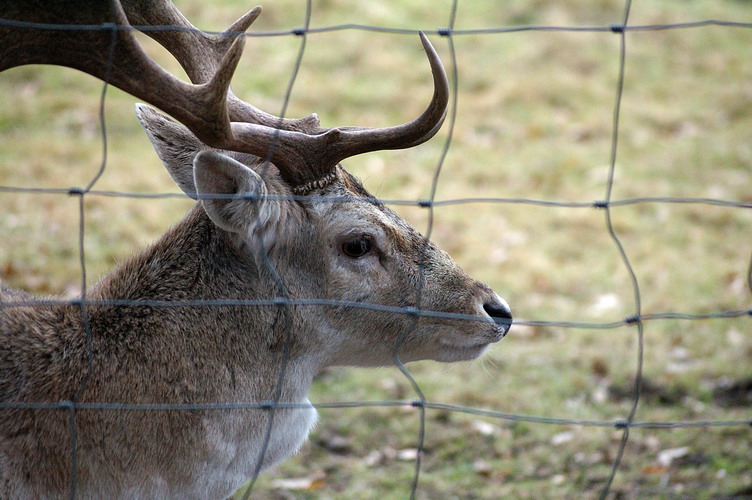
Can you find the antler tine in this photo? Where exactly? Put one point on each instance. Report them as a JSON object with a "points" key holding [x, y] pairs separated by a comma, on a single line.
{"points": [[357, 140], [302, 158], [200, 54]]}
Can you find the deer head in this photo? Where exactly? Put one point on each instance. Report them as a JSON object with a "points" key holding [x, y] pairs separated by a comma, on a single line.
{"points": [[292, 203], [334, 241]]}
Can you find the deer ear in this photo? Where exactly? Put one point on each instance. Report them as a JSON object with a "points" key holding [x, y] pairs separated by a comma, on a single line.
{"points": [[229, 190], [175, 145]]}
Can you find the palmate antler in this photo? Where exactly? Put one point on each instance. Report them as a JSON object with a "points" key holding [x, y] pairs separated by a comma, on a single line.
{"points": [[75, 34]]}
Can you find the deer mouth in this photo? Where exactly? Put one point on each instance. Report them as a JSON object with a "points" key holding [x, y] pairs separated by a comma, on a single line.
{"points": [[472, 346], [452, 352]]}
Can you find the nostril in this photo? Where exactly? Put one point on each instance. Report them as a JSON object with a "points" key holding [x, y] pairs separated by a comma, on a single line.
{"points": [[499, 312]]}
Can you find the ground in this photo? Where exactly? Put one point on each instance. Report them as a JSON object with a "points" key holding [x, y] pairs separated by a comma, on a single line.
{"points": [[529, 156]]}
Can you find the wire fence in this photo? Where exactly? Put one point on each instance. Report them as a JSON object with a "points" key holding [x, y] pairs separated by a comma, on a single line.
{"points": [[635, 321]]}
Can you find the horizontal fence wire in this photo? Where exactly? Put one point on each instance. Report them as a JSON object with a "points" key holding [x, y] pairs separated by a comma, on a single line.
{"points": [[408, 310], [283, 303]]}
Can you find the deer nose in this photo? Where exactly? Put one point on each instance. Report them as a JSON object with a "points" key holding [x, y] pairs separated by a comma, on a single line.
{"points": [[500, 313]]}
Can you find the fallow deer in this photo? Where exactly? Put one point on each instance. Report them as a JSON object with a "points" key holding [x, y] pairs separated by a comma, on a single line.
{"points": [[286, 265]]}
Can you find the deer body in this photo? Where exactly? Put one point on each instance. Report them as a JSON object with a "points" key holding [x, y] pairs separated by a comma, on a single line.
{"points": [[286, 265], [153, 355]]}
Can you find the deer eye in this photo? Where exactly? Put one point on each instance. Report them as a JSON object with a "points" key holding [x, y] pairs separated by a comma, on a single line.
{"points": [[357, 247]]}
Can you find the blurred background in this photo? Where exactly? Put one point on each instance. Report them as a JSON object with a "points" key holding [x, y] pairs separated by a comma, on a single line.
{"points": [[533, 121]]}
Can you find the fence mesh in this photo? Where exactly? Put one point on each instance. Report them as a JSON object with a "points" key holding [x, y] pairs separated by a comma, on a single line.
{"points": [[635, 323]]}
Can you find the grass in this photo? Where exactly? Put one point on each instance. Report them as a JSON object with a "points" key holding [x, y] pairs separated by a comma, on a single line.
{"points": [[534, 120]]}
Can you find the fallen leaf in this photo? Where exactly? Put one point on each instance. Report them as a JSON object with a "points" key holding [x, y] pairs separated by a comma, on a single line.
{"points": [[482, 468], [665, 457], [654, 470], [484, 428], [374, 458], [407, 454], [561, 438], [300, 484]]}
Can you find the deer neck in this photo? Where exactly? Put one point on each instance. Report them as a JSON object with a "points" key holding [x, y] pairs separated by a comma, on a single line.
{"points": [[195, 262], [188, 263]]}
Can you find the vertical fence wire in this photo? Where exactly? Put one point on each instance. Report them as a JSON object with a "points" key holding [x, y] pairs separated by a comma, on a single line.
{"points": [[283, 311], [85, 322], [284, 302], [621, 31], [420, 402]]}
